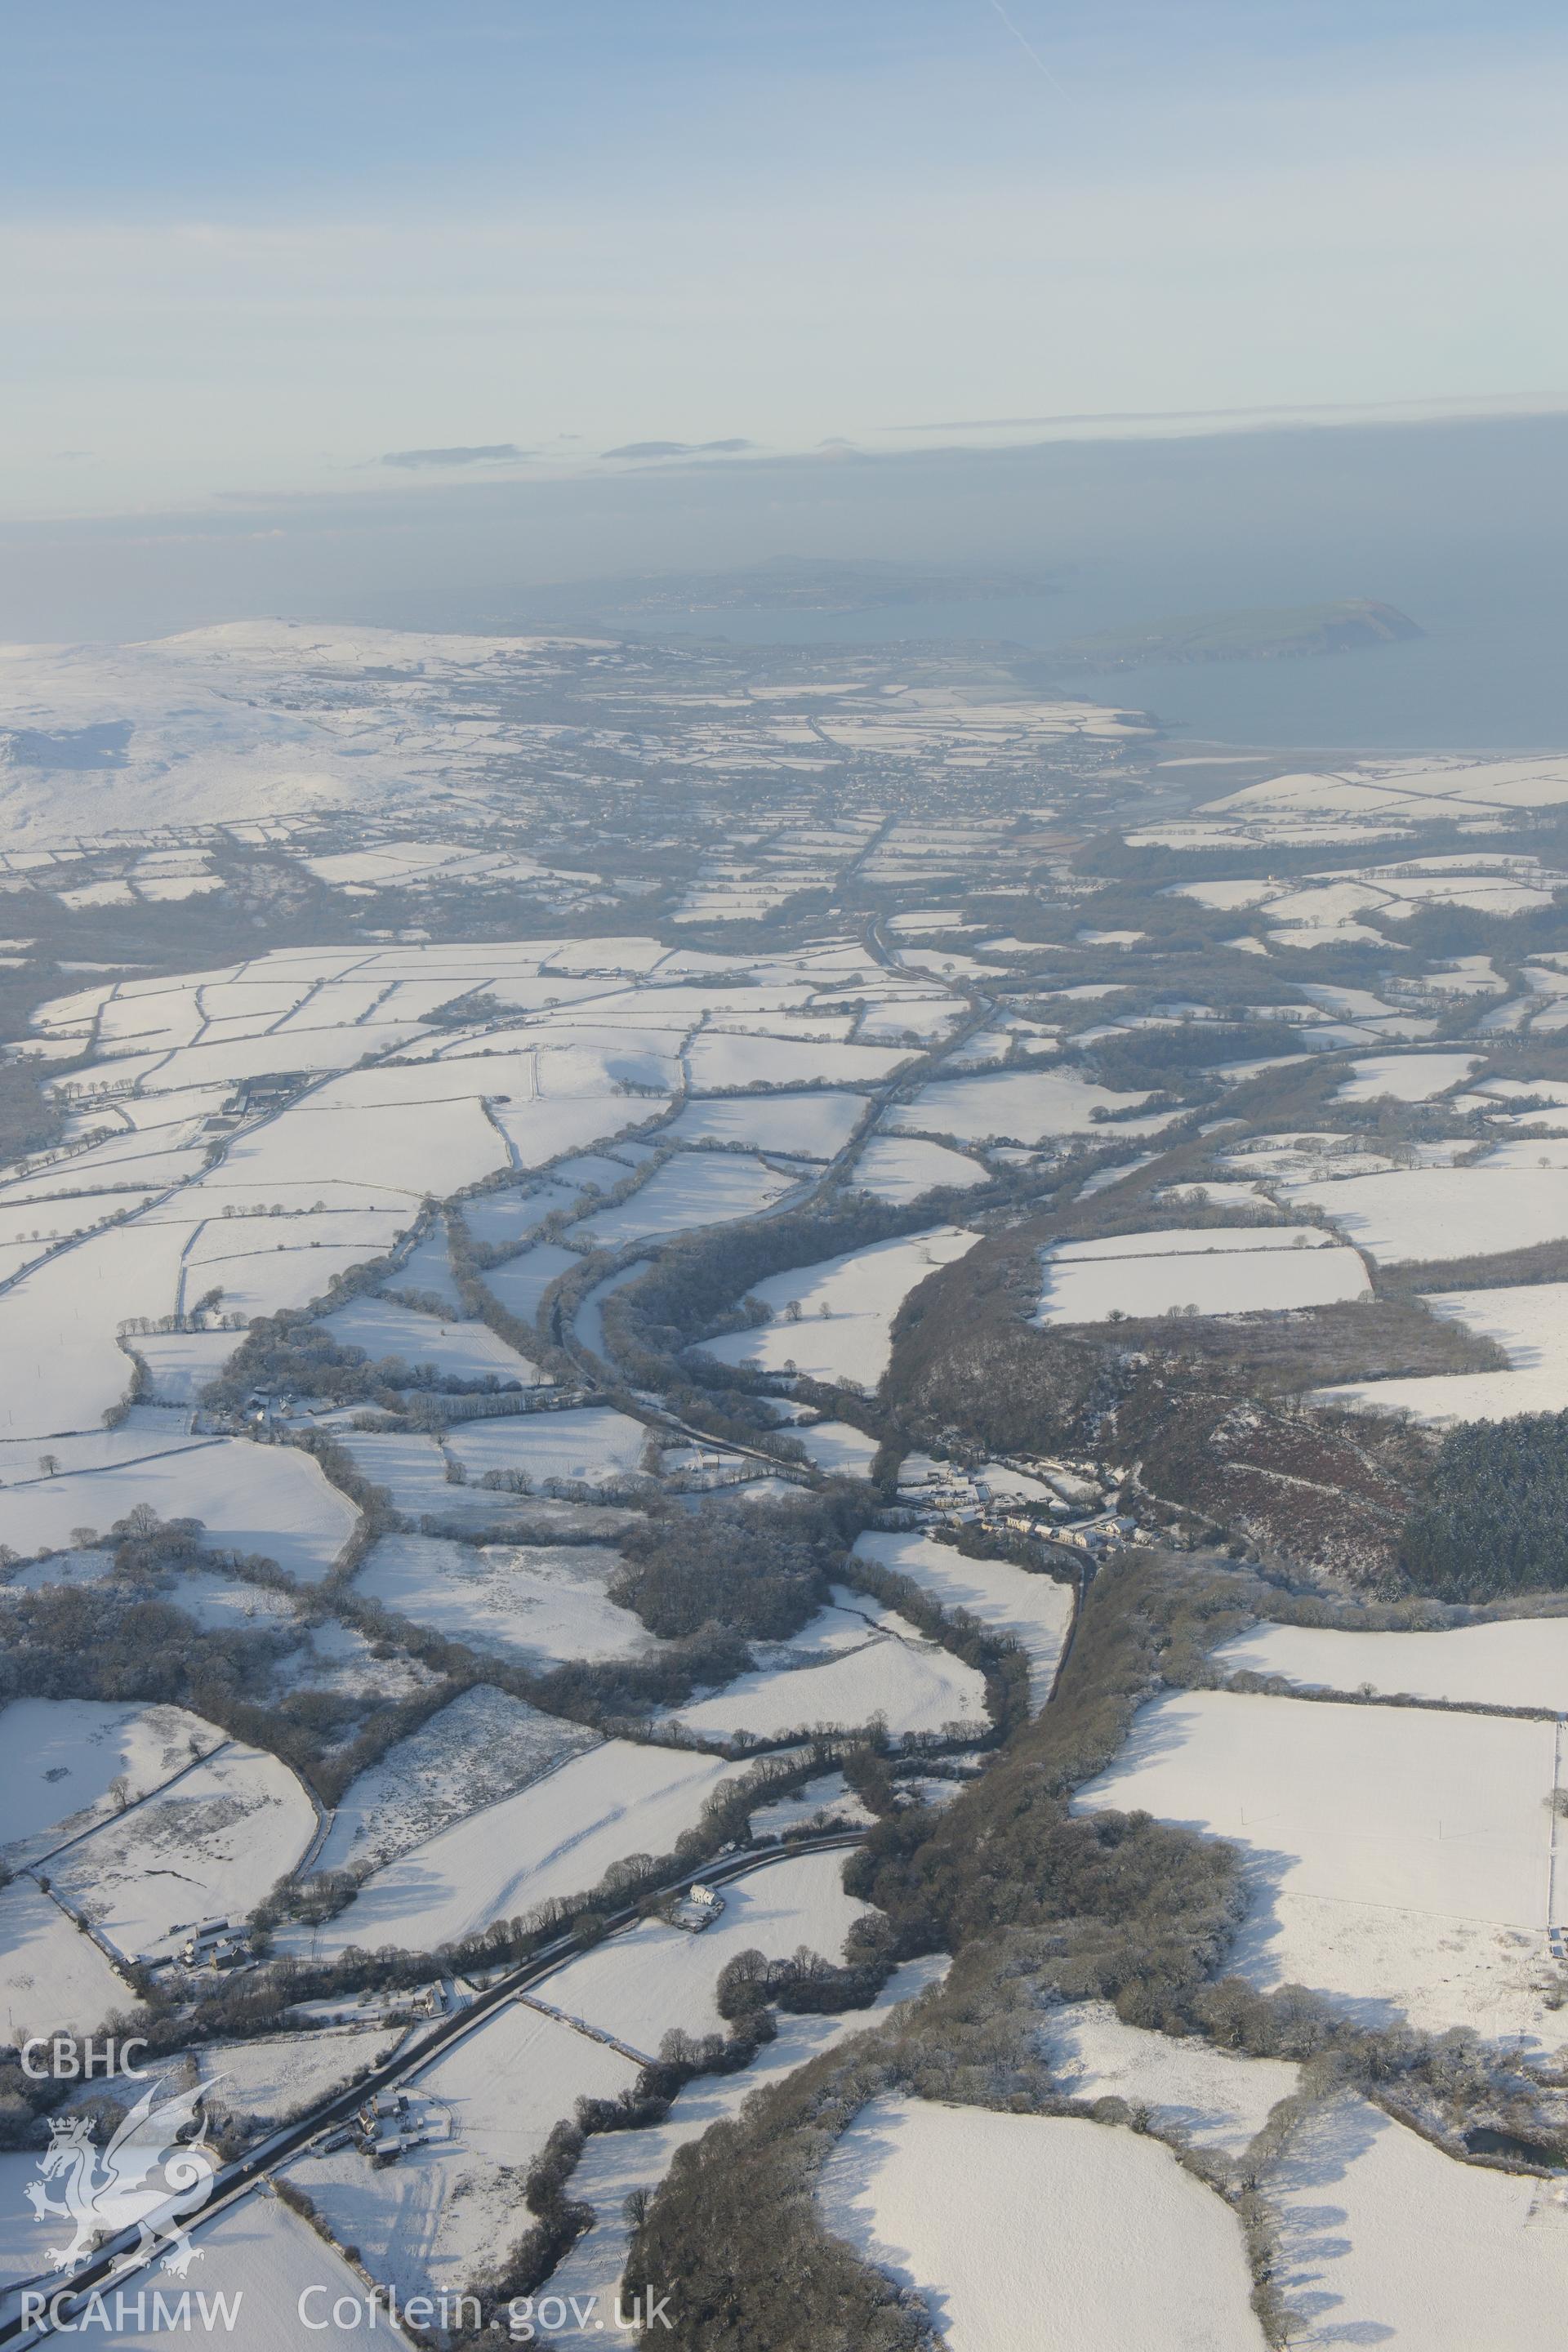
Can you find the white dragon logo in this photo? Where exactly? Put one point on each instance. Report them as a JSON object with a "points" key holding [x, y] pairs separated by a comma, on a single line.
{"points": [[147, 2178]]}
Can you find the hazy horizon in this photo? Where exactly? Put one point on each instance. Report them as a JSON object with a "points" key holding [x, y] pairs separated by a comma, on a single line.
{"points": [[1458, 523]]}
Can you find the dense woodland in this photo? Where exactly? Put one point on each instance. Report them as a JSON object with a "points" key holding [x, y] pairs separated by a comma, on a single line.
{"points": [[30, 1121], [1179, 1061], [685, 1570], [1493, 1519], [290, 1354]]}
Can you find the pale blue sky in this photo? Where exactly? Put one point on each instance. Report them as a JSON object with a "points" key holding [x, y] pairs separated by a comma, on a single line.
{"points": [[250, 252]]}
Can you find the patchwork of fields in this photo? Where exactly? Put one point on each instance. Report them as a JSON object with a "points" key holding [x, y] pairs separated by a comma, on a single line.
{"points": [[512, 1137]]}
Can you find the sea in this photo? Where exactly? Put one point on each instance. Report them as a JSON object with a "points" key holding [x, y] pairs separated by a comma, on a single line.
{"points": [[1489, 674]]}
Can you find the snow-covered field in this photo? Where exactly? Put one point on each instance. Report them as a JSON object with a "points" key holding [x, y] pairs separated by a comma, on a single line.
{"points": [[445, 2213], [1221, 1270], [1214, 2097], [809, 1126], [466, 1351], [844, 1329], [1045, 2230], [697, 1188], [541, 1603], [638, 1985], [521, 1282], [269, 2264], [591, 1447], [1386, 2239], [884, 1667], [839, 1448], [66, 1763], [1396, 1859], [1446, 785], [1408, 1215], [180, 1364], [273, 2079], [556, 1839], [1408, 1078], [271, 1500], [904, 1167], [914, 1013], [337, 1659], [828, 1796], [588, 1323], [1018, 1107], [52, 1977], [1520, 1661], [483, 1746], [57, 1327], [717, 1060], [210, 1847], [1035, 1609], [413, 1470], [504, 1220], [222, 1603], [1196, 1240], [425, 1272], [88, 1565], [1528, 1321], [576, 1108]]}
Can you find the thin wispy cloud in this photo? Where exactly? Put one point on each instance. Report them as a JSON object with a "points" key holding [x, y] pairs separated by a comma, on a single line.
{"points": [[679, 449], [1027, 47], [484, 453], [1549, 401]]}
